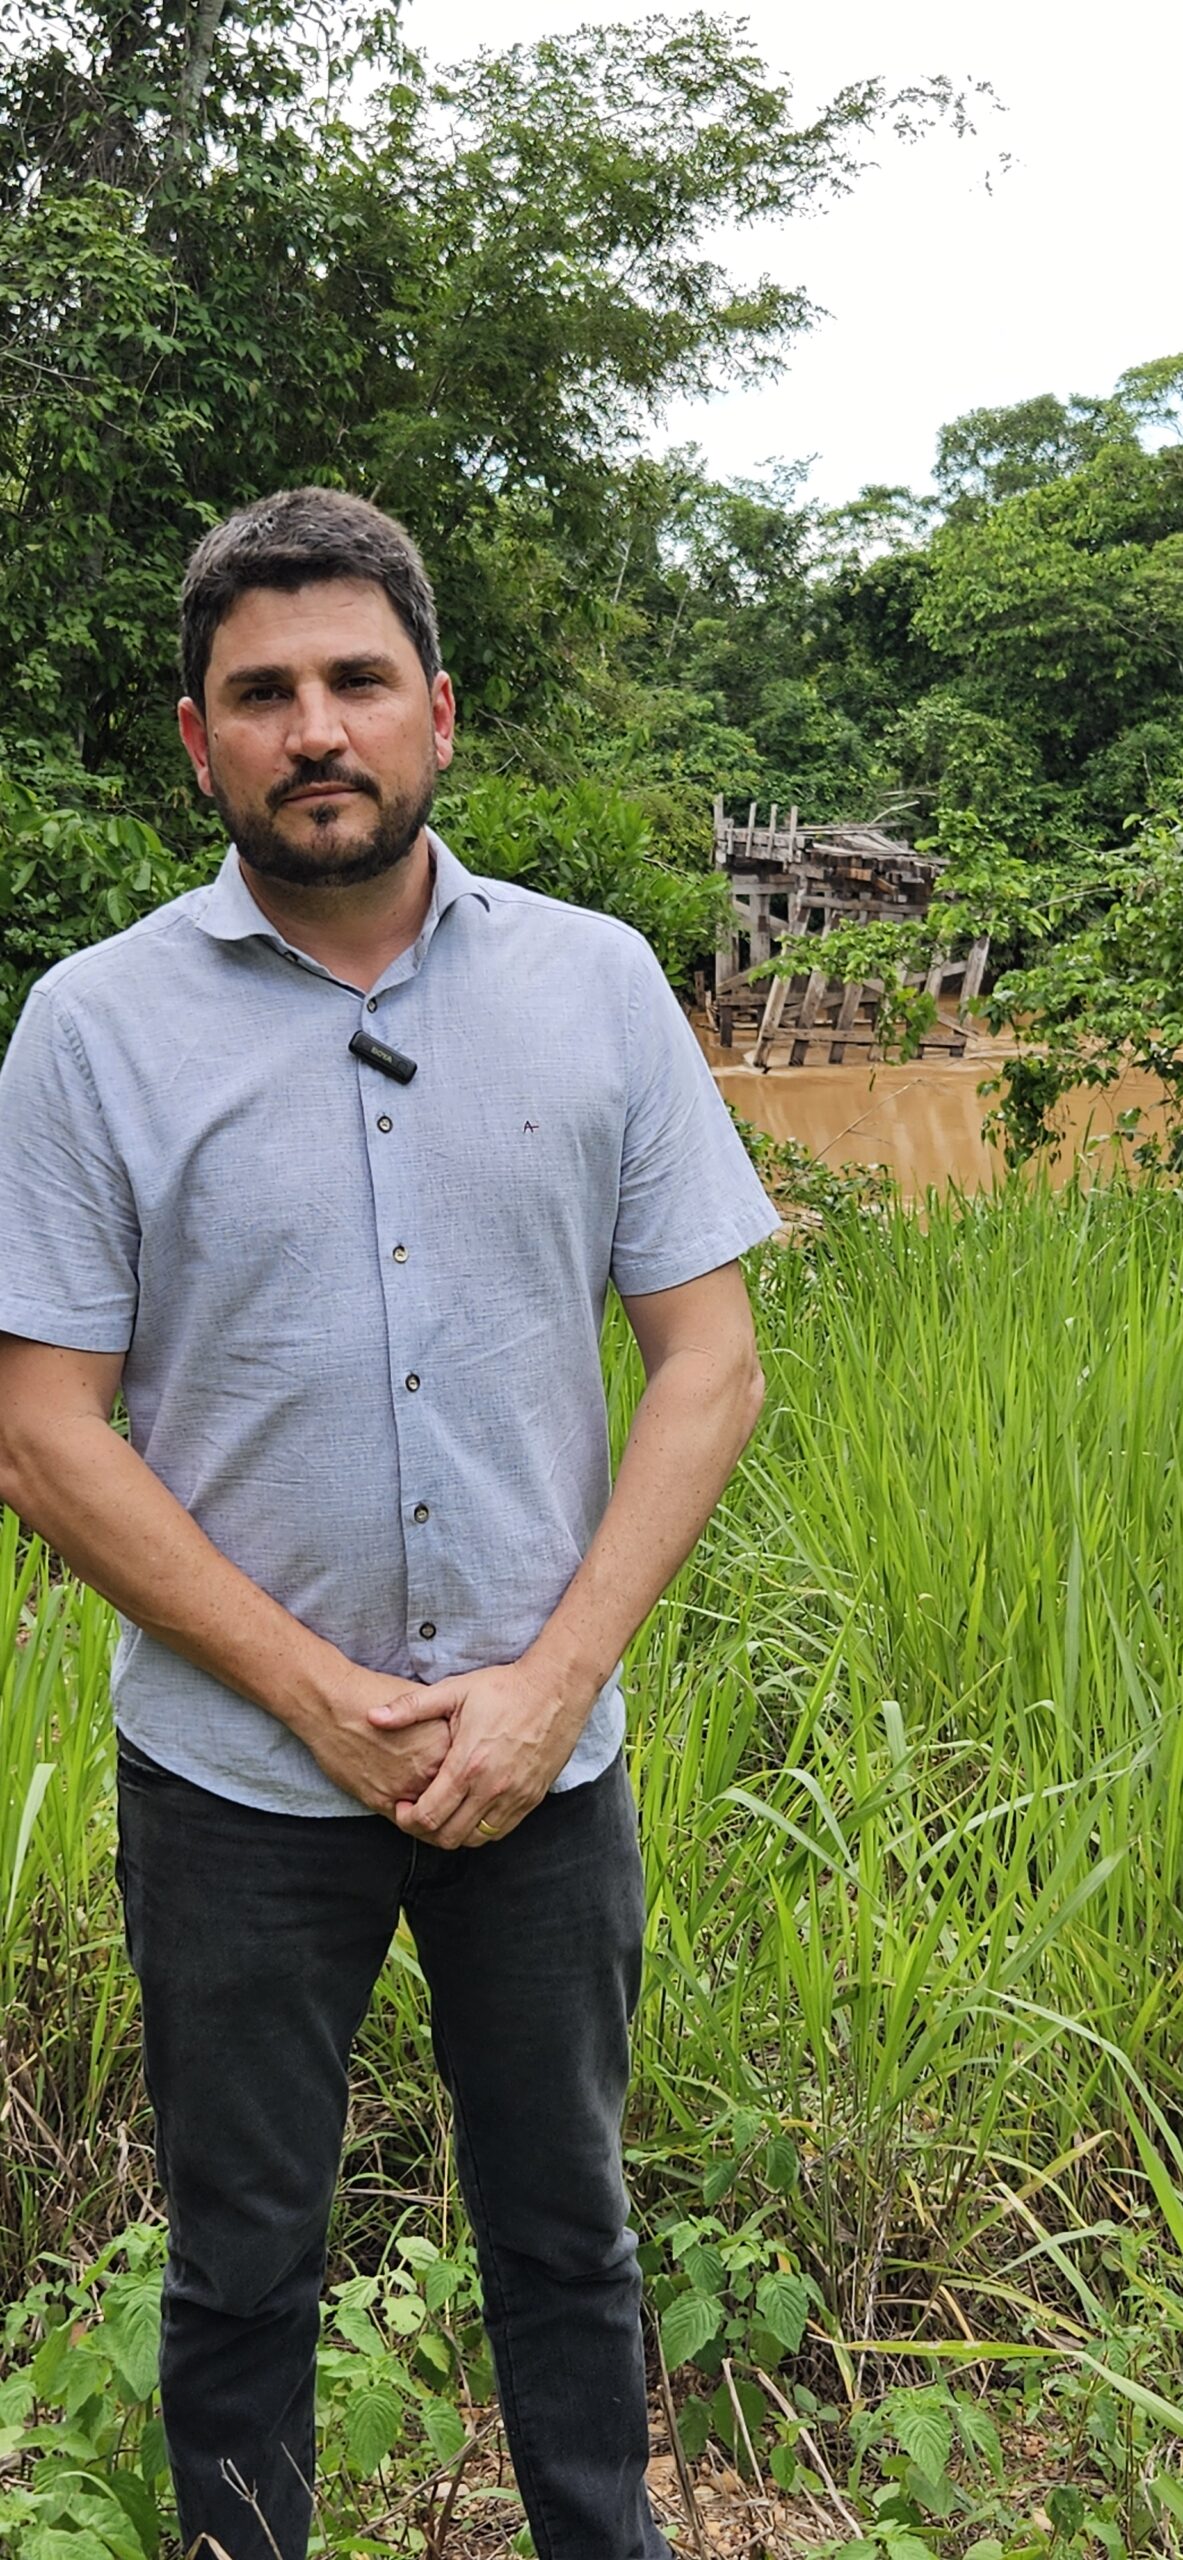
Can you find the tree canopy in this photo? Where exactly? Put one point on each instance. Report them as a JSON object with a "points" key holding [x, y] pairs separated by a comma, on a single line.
{"points": [[245, 247], [246, 244]]}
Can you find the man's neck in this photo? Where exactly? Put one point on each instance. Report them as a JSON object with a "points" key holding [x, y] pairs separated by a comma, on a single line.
{"points": [[355, 932]]}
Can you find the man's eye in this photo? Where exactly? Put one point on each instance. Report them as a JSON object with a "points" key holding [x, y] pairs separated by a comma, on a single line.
{"points": [[353, 684], [261, 693]]}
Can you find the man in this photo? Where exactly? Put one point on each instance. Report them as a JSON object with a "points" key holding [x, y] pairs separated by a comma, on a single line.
{"points": [[328, 1166]]}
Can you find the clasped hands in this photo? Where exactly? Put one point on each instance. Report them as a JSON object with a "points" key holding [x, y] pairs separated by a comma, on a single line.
{"points": [[469, 1757]]}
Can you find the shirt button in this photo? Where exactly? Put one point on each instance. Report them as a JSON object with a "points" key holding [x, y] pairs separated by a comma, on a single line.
{"points": [[427, 1630], [398, 1253], [385, 1123], [371, 1004], [411, 1381], [421, 1512]]}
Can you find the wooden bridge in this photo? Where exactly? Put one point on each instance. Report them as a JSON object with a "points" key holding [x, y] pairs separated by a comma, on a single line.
{"points": [[795, 882]]}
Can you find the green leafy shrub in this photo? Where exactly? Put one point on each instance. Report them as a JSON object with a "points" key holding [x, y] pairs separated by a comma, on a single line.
{"points": [[591, 846], [68, 877], [807, 1191], [403, 2365]]}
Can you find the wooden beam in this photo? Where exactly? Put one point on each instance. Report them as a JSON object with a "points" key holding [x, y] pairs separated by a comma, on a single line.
{"points": [[818, 981], [770, 1022], [975, 971], [847, 1017], [761, 948]]}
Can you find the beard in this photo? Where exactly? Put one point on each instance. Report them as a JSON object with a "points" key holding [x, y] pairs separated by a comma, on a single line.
{"points": [[326, 864]]}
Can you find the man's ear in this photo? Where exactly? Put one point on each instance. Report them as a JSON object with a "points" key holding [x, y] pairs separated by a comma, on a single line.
{"points": [[195, 736], [443, 721]]}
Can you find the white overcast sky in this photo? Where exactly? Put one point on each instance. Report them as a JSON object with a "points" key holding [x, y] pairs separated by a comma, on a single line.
{"points": [[944, 296]]}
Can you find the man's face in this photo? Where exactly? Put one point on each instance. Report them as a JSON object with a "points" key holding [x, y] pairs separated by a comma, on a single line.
{"points": [[320, 739]]}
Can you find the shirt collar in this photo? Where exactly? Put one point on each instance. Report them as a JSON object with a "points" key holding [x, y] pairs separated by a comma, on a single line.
{"points": [[231, 915]]}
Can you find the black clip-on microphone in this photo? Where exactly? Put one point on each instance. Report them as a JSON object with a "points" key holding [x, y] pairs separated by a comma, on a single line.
{"points": [[389, 1062]]}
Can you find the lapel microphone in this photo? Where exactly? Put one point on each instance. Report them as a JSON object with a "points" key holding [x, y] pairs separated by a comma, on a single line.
{"points": [[389, 1062]]}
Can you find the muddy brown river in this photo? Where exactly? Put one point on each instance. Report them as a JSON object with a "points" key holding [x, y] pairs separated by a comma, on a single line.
{"points": [[924, 1120]]}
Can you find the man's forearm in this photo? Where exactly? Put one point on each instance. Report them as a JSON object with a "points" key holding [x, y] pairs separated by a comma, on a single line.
{"points": [[514, 1724], [692, 1423], [121, 1530]]}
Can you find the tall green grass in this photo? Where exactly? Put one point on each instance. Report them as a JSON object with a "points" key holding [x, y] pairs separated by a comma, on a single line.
{"points": [[908, 1745], [74, 2143], [909, 1751]]}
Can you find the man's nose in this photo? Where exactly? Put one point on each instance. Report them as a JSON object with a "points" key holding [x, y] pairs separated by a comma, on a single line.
{"points": [[316, 727]]}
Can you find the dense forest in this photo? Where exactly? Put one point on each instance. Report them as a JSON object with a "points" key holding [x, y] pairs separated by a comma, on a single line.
{"points": [[242, 246]]}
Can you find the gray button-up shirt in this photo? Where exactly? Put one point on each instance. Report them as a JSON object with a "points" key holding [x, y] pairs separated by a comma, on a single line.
{"points": [[361, 1319]]}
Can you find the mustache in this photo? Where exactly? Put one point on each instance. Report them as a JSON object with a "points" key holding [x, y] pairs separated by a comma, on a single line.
{"points": [[328, 770]]}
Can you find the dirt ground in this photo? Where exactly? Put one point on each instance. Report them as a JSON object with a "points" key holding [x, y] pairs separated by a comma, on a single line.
{"points": [[731, 2519]]}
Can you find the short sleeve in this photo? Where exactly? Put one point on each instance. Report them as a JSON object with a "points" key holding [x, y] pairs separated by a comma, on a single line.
{"points": [[689, 1198], [69, 1237]]}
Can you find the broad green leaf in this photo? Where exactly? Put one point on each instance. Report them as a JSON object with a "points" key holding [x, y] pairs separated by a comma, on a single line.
{"points": [[762, 2347], [688, 2323], [922, 2428], [85, 2372], [417, 2251], [441, 2280], [726, 2423], [705, 2267], [48, 2361], [405, 2313], [444, 2428], [153, 2449], [783, 2305], [721, 2175], [978, 2431], [138, 2504], [362, 2290], [906, 2546], [131, 2330], [435, 2351], [780, 2163], [92, 2507], [694, 2427], [57, 2542], [356, 2325], [373, 2420], [16, 2398]]}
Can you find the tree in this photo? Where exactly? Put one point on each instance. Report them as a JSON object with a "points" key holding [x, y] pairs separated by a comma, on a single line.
{"points": [[1062, 608], [213, 282], [991, 454]]}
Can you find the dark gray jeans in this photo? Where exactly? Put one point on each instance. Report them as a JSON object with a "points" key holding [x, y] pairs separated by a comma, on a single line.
{"points": [[257, 1939]]}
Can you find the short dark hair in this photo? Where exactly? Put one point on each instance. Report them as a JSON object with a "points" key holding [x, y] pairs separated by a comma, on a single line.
{"points": [[290, 540]]}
